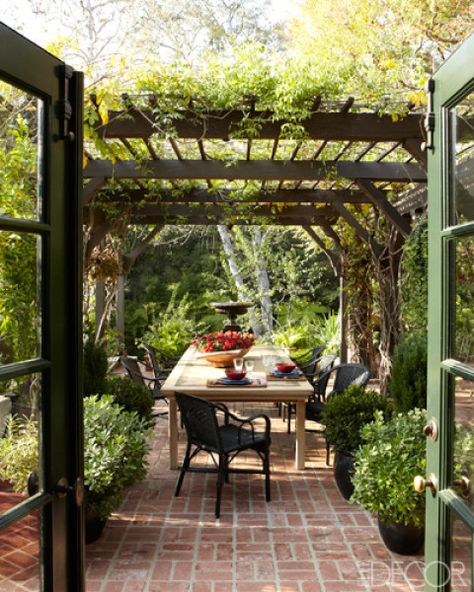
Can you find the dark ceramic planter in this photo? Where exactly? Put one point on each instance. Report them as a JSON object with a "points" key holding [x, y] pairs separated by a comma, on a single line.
{"points": [[404, 539], [343, 472], [93, 527]]}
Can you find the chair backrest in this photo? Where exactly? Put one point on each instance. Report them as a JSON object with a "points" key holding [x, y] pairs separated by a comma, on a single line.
{"points": [[349, 374], [200, 421], [308, 367], [133, 369], [153, 359], [326, 363]]}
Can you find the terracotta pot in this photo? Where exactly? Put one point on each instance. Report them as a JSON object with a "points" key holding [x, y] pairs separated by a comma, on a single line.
{"points": [[343, 472], [404, 539]]}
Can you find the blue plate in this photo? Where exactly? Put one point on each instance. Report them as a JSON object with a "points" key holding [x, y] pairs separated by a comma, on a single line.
{"points": [[229, 381], [293, 374]]}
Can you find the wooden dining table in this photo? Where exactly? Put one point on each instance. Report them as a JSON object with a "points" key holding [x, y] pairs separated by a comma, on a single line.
{"points": [[192, 374]]}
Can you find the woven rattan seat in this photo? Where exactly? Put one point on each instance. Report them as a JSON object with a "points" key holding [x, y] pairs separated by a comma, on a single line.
{"points": [[224, 441]]}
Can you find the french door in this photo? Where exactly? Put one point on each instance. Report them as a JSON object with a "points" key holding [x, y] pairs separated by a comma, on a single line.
{"points": [[450, 436], [40, 319]]}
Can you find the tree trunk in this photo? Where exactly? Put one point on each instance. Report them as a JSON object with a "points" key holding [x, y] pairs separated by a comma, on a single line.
{"points": [[242, 291], [263, 281]]}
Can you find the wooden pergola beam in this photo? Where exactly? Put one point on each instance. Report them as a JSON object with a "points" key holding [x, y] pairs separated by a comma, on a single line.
{"points": [[330, 126], [224, 196], [231, 211], [380, 201], [200, 219], [255, 169], [360, 230]]}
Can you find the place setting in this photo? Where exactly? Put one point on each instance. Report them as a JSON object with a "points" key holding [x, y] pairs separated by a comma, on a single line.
{"points": [[240, 375], [285, 371]]}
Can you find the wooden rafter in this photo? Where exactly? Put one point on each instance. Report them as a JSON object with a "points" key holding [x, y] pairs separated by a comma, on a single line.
{"points": [[329, 126], [225, 196], [248, 170]]}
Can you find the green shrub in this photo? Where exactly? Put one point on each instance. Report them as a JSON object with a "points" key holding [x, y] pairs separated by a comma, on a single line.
{"points": [[393, 453], [115, 448], [414, 279], [95, 368], [131, 395], [407, 384], [114, 455], [345, 414], [173, 329], [19, 451]]}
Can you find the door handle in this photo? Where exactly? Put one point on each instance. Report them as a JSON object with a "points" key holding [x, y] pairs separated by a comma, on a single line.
{"points": [[420, 483], [78, 490], [464, 485], [431, 430]]}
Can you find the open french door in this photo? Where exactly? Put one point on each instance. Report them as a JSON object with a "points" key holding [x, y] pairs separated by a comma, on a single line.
{"points": [[40, 315], [450, 436]]}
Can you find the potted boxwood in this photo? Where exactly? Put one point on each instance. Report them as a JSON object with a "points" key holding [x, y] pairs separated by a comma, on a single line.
{"points": [[385, 465], [344, 415], [115, 448], [114, 456]]}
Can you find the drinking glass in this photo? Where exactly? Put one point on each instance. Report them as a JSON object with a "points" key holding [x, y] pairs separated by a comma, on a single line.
{"points": [[249, 366], [238, 363]]}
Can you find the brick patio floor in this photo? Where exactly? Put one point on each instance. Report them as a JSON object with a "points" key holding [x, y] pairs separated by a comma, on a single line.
{"points": [[307, 539]]}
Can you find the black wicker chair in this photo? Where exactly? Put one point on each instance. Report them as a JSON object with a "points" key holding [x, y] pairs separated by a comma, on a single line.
{"points": [[159, 372], [345, 375], [324, 364], [154, 384], [222, 441], [305, 358]]}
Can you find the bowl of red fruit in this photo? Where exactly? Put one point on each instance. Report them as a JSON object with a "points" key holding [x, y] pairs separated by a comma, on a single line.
{"points": [[285, 367], [235, 374]]}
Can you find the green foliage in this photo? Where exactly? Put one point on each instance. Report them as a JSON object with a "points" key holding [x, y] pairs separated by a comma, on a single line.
{"points": [[393, 453], [130, 395], [309, 330], [95, 368], [114, 455], [115, 448], [18, 253], [345, 414], [408, 378], [19, 450], [173, 329], [414, 279], [463, 450]]}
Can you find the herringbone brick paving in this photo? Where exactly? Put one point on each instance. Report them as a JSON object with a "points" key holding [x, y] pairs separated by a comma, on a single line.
{"points": [[307, 539]]}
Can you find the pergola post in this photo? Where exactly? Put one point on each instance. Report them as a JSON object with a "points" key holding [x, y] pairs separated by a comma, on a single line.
{"points": [[99, 304], [120, 308], [342, 313]]}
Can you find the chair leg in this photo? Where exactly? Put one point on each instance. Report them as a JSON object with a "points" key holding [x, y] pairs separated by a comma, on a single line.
{"points": [[266, 468], [289, 412], [328, 453], [221, 474], [184, 468]]}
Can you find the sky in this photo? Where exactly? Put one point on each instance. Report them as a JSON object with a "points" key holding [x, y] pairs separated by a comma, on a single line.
{"points": [[17, 14]]}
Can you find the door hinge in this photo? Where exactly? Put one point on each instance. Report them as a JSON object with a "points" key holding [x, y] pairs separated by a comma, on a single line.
{"points": [[429, 122], [64, 107]]}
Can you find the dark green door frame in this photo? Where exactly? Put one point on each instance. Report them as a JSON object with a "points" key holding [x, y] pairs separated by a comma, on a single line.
{"points": [[453, 81], [33, 70]]}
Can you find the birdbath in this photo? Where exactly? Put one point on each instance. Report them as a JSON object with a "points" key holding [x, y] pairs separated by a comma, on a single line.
{"points": [[232, 310]]}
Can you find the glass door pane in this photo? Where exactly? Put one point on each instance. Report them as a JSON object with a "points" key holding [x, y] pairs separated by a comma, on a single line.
{"points": [[462, 174], [21, 153]]}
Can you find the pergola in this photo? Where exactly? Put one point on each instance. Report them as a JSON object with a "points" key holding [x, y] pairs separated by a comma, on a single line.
{"points": [[348, 155]]}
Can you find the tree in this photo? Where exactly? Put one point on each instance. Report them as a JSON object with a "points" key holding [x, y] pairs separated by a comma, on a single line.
{"points": [[386, 48]]}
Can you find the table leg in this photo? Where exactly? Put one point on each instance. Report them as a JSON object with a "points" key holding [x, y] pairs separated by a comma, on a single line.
{"points": [[173, 432], [300, 434]]}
